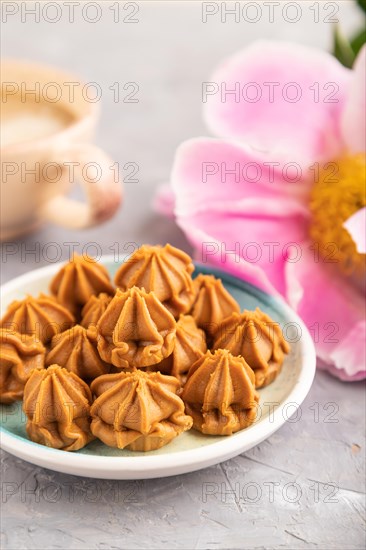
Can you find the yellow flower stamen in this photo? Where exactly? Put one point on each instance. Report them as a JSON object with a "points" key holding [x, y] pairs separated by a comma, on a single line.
{"points": [[340, 190]]}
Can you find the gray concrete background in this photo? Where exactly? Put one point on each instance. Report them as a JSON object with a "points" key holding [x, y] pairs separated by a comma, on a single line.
{"points": [[303, 487]]}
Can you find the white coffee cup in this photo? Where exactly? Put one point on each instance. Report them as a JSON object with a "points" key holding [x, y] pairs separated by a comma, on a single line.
{"points": [[47, 123]]}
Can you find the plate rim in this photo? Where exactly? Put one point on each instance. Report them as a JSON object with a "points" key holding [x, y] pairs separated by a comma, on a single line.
{"points": [[182, 461]]}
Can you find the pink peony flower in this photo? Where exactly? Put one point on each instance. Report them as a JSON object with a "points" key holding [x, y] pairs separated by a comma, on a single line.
{"points": [[279, 200]]}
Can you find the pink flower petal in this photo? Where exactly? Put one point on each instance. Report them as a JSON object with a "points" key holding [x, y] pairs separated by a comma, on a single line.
{"points": [[164, 200], [332, 310], [240, 225], [208, 251], [351, 351], [303, 130], [353, 118], [340, 373], [356, 227], [209, 172]]}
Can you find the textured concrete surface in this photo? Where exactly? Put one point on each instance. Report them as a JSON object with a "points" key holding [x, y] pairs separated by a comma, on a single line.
{"points": [[303, 487]]}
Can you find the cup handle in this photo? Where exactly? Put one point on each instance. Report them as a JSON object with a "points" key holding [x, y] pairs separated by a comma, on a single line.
{"points": [[103, 193]]}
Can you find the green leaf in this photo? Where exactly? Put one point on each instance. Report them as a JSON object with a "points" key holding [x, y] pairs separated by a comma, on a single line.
{"points": [[358, 41], [362, 4], [342, 49]]}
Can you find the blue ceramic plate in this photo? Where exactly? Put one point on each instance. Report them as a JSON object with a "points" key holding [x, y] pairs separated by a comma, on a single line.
{"points": [[192, 450]]}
